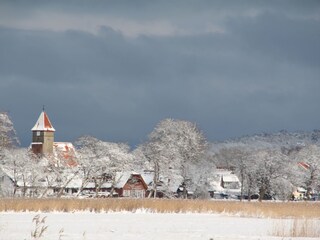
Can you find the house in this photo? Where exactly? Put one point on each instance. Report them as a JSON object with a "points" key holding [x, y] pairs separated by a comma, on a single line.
{"points": [[166, 187], [60, 153], [299, 194], [148, 177], [132, 185], [224, 184], [230, 181], [124, 184], [16, 185]]}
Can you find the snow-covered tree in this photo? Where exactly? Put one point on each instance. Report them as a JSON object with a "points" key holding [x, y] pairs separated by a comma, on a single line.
{"points": [[24, 171], [177, 147], [88, 163], [269, 166], [119, 161], [99, 161], [261, 167], [8, 135], [140, 162]]}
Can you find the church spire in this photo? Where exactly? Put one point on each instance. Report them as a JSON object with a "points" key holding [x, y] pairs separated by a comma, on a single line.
{"points": [[43, 123]]}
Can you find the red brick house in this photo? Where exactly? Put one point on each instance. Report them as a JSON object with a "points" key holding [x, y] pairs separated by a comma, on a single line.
{"points": [[131, 185]]}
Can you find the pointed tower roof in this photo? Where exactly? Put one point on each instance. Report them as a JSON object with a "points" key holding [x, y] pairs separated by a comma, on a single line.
{"points": [[43, 123]]}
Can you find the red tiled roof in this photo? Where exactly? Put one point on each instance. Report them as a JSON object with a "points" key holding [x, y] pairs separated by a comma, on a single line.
{"points": [[65, 153], [43, 123], [304, 165]]}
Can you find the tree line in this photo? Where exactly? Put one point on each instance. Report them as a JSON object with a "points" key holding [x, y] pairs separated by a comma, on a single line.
{"points": [[176, 150]]}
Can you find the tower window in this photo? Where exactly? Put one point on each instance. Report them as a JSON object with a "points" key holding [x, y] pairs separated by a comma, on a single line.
{"points": [[38, 133]]}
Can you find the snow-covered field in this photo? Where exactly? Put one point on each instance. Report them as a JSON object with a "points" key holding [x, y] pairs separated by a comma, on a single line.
{"points": [[139, 225]]}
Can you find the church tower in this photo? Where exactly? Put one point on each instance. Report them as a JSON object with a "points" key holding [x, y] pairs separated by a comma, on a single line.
{"points": [[42, 135]]}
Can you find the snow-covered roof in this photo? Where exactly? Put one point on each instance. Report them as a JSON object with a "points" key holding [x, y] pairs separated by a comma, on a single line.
{"points": [[304, 165], [230, 178], [43, 123], [19, 182], [63, 146], [65, 153], [168, 183], [215, 186], [301, 189], [123, 177], [148, 177], [226, 175], [75, 182]]}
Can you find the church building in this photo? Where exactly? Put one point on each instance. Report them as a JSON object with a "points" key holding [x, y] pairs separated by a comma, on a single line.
{"points": [[43, 144]]}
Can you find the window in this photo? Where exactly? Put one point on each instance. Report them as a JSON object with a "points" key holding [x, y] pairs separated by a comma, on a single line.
{"points": [[134, 193], [38, 133], [138, 193], [126, 193]]}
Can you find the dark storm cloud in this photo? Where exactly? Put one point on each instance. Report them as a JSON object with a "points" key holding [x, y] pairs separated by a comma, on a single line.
{"points": [[233, 68], [280, 37]]}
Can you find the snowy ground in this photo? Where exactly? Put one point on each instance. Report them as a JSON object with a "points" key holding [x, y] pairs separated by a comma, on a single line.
{"points": [[139, 225]]}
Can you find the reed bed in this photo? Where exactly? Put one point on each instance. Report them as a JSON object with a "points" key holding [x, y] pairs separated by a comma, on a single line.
{"points": [[296, 228], [247, 209]]}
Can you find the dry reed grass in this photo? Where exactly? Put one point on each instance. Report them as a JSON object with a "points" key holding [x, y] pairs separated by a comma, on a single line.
{"points": [[248, 209], [297, 228]]}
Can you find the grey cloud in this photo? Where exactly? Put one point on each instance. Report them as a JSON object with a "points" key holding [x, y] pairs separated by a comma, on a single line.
{"points": [[261, 74], [289, 39]]}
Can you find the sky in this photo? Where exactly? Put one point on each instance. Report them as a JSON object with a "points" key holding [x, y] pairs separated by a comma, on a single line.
{"points": [[114, 69]]}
